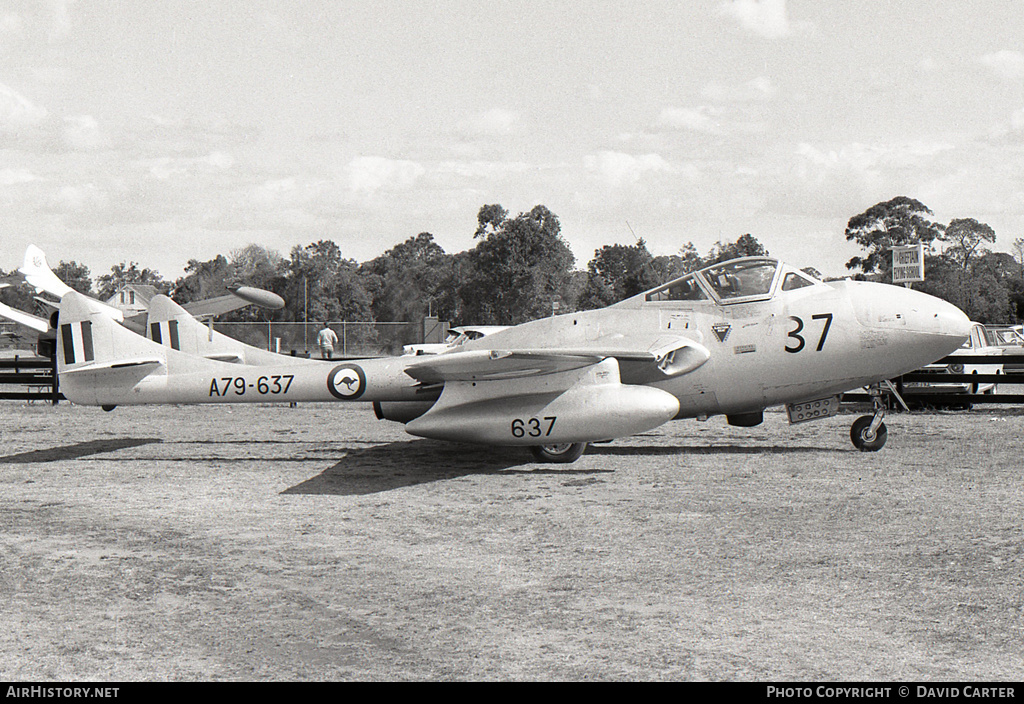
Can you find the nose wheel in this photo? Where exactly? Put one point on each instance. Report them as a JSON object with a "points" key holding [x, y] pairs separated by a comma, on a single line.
{"points": [[867, 438]]}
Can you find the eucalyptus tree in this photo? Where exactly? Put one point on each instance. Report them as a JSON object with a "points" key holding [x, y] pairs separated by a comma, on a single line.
{"points": [[899, 221]]}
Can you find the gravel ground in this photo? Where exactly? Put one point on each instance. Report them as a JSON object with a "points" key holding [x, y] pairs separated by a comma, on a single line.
{"points": [[317, 543]]}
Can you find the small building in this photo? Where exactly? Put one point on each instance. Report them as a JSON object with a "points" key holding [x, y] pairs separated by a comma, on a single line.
{"points": [[132, 299]]}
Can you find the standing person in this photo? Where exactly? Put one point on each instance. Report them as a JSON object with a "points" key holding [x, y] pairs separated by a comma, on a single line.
{"points": [[326, 339]]}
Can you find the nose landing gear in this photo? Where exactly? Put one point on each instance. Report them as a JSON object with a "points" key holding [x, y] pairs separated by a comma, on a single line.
{"points": [[869, 433]]}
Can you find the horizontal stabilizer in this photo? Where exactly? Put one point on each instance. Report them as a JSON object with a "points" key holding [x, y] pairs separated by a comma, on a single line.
{"points": [[232, 357], [27, 319], [114, 365]]}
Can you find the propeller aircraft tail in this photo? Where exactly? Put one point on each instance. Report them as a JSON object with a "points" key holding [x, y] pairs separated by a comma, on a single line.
{"points": [[39, 275]]}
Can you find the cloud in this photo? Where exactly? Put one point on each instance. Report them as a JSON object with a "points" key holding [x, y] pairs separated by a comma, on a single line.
{"points": [[18, 111], [12, 177], [765, 18], [82, 133], [60, 25], [31, 127], [490, 123], [617, 168], [692, 119], [163, 168], [10, 23], [1007, 64], [1017, 120], [820, 181], [368, 174], [760, 88], [86, 197]]}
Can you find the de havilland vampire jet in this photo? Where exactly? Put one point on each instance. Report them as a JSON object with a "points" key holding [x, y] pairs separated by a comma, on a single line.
{"points": [[733, 339]]}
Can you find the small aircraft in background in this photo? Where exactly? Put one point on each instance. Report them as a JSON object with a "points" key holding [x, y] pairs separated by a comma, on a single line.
{"points": [[33, 322], [37, 273], [733, 339]]}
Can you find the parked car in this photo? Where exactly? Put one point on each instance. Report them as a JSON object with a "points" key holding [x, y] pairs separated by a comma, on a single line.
{"points": [[1011, 339], [457, 337], [979, 343]]}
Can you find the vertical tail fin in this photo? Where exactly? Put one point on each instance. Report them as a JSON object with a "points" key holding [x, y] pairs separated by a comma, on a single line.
{"points": [[88, 338], [39, 275], [173, 326]]}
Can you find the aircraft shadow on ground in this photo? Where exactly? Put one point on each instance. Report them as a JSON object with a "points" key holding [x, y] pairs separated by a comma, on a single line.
{"points": [[408, 463], [76, 451], [684, 450]]}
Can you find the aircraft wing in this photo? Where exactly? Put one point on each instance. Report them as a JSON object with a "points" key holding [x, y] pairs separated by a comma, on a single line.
{"points": [[239, 297], [27, 319], [672, 354], [491, 365]]}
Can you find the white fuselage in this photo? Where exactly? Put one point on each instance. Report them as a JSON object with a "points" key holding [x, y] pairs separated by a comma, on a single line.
{"points": [[799, 345], [731, 339]]}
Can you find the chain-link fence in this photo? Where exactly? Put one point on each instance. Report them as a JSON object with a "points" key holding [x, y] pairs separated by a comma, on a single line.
{"points": [[354, 339]]}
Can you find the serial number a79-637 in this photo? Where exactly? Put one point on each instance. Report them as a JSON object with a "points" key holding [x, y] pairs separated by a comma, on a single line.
{"points": [[264, 386]]}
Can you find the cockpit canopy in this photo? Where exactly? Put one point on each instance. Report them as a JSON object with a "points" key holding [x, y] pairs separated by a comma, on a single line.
{"points": [[734, 281]]}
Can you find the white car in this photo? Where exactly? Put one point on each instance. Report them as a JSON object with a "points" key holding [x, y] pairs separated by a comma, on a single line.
{"points": [[457, 337], [981, 342], [1011, 339], [1006, 336]]}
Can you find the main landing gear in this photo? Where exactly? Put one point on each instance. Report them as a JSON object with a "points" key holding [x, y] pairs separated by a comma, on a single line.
{"points": [[869, 433], [562, 453]]}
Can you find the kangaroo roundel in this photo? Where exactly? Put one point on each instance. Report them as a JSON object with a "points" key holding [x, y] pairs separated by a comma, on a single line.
{"points": [[346, 382]]}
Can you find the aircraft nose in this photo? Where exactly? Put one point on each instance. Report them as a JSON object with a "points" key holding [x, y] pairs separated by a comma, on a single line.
{"points": [[886, 307], [949, 320], [933, 316]]}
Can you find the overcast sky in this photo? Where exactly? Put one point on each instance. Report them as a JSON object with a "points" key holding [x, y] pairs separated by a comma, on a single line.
{"points": [[159, 132]]}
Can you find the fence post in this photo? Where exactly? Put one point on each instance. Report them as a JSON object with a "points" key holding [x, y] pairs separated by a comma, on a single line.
{"points": [[55, 389]]}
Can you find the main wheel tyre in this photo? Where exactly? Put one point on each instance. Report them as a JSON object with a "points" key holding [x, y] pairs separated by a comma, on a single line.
{"points": [[564, 452], [859, 435]]}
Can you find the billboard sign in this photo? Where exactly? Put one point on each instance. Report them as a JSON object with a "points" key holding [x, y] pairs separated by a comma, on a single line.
{"points": [[907, 263]]}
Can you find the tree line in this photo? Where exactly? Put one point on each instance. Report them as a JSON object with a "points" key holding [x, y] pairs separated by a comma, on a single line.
{"points": [[521, 268], [960, 266]]}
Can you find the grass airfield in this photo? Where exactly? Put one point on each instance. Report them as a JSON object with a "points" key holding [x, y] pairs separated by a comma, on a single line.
{"points": [[262, 542]]}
